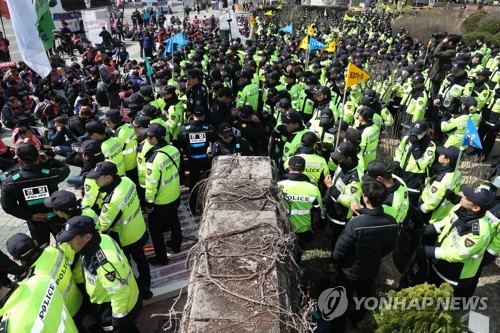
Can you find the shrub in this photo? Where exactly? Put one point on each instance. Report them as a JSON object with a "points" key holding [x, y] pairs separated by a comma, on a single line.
{"points": [[428, 320], [473, 21], [471, 37], [491, 26]]}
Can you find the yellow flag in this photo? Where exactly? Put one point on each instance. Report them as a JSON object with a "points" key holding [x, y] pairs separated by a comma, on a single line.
{"points": [[355, 75], [269, 13], [310, 30], [279, 7], [357, 9], [332, 46], [304, 43], [261, 7], [388, 9], [252, 21], [347, 18]]}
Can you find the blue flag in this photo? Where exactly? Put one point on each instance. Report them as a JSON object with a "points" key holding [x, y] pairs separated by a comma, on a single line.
{"points": [[288, 29], [179, 39], [169, 46], [471, 136], [315, 44]]}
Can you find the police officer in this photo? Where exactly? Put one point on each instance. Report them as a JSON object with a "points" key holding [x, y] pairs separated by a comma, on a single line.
{"points": [[433, 202], [316, 167], [123, 132], [343, 188], [196, 137], [174, 110], [463, 237], [24, 191], [229, 143], [35, 304], [248, 92], [301, 198], [250, 128], [109, 280], [413, 158], [397, 202], [197, 93], [219, 108], [50, 261], [140, 126], [455, 127], [121, 215], [370, 134], [490, 124], [111, 148], [162, 193], [293, 131], [414, 103]]}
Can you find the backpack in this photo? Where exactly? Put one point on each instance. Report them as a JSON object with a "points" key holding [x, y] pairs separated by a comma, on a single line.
{"points": [[39, 111]]}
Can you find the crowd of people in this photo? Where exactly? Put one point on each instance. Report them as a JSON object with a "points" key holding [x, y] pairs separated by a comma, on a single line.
{"points": [[139, 128]]}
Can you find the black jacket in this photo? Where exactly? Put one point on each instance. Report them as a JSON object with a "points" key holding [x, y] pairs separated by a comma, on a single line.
{"points": [[365, 240], [32, 184]]}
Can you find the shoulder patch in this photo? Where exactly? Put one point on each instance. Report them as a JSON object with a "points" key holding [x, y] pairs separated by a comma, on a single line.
{"points": [[353, 189], [104, 208], [434, 189], [430, 152], [149, 172], [110, 276], [469, 242], [87, 187]]}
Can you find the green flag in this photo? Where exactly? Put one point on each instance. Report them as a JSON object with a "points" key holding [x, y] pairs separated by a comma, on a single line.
{"points": [[44, 23], [149, 70]]}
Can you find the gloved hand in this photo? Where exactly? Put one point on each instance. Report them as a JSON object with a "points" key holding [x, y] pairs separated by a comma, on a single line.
{"points": [[452, 197], [396, 168], [425, 251], [326, 146], [430, 230]]}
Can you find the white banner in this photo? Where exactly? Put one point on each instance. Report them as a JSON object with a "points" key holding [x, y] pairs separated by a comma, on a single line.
{"points": [[93, 21], [23, 16]]}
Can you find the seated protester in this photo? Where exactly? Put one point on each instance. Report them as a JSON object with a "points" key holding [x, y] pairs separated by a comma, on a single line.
{"points": [[28, 104], [26, 136], [12, 111], [87, 158], [76, 123], [23, 121], [229, 144], [60, 137], [6, 157]]}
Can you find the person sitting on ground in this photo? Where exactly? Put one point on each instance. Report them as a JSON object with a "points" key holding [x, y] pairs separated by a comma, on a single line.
{"points": [[60, 137]]}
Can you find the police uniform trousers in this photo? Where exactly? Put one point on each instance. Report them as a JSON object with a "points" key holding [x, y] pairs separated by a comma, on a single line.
{"points": [[136, 251], [195, 170], [164, 216]]}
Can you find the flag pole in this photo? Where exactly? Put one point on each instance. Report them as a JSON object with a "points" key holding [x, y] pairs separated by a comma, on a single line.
{"points": [[3, 27], [460, 154], [427, 52], [341, 115]]}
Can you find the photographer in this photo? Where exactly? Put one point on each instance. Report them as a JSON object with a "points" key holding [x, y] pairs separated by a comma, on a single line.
{"points": [[442, 55]]}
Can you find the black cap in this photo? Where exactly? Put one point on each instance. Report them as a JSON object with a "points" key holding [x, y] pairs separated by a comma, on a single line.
{"points": [[353, 135], [103, 169], [199, 111], [367, 101], [146, 91], [61, 200], [468, 101], [246, 75], [225, 130], [169, 89], [135, 100], [458, 66], [484, 72], [77, 225], [225, 91], [478, 55], [291, 75], [216, 86], [376, 169], [326, 113], [321, 91], [246, 111], [113, 114], [150, 111], [157, 131], [345, 149], [94, 126], [21, 246], [417, 79], [367, 113], [194, 73], [61, 119], [481, 197], [142, 122], [450, 152], [91, 148], [419, 127], [339, 124], [291, 117], [297, 162], [27, 153], [309, 139]]}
